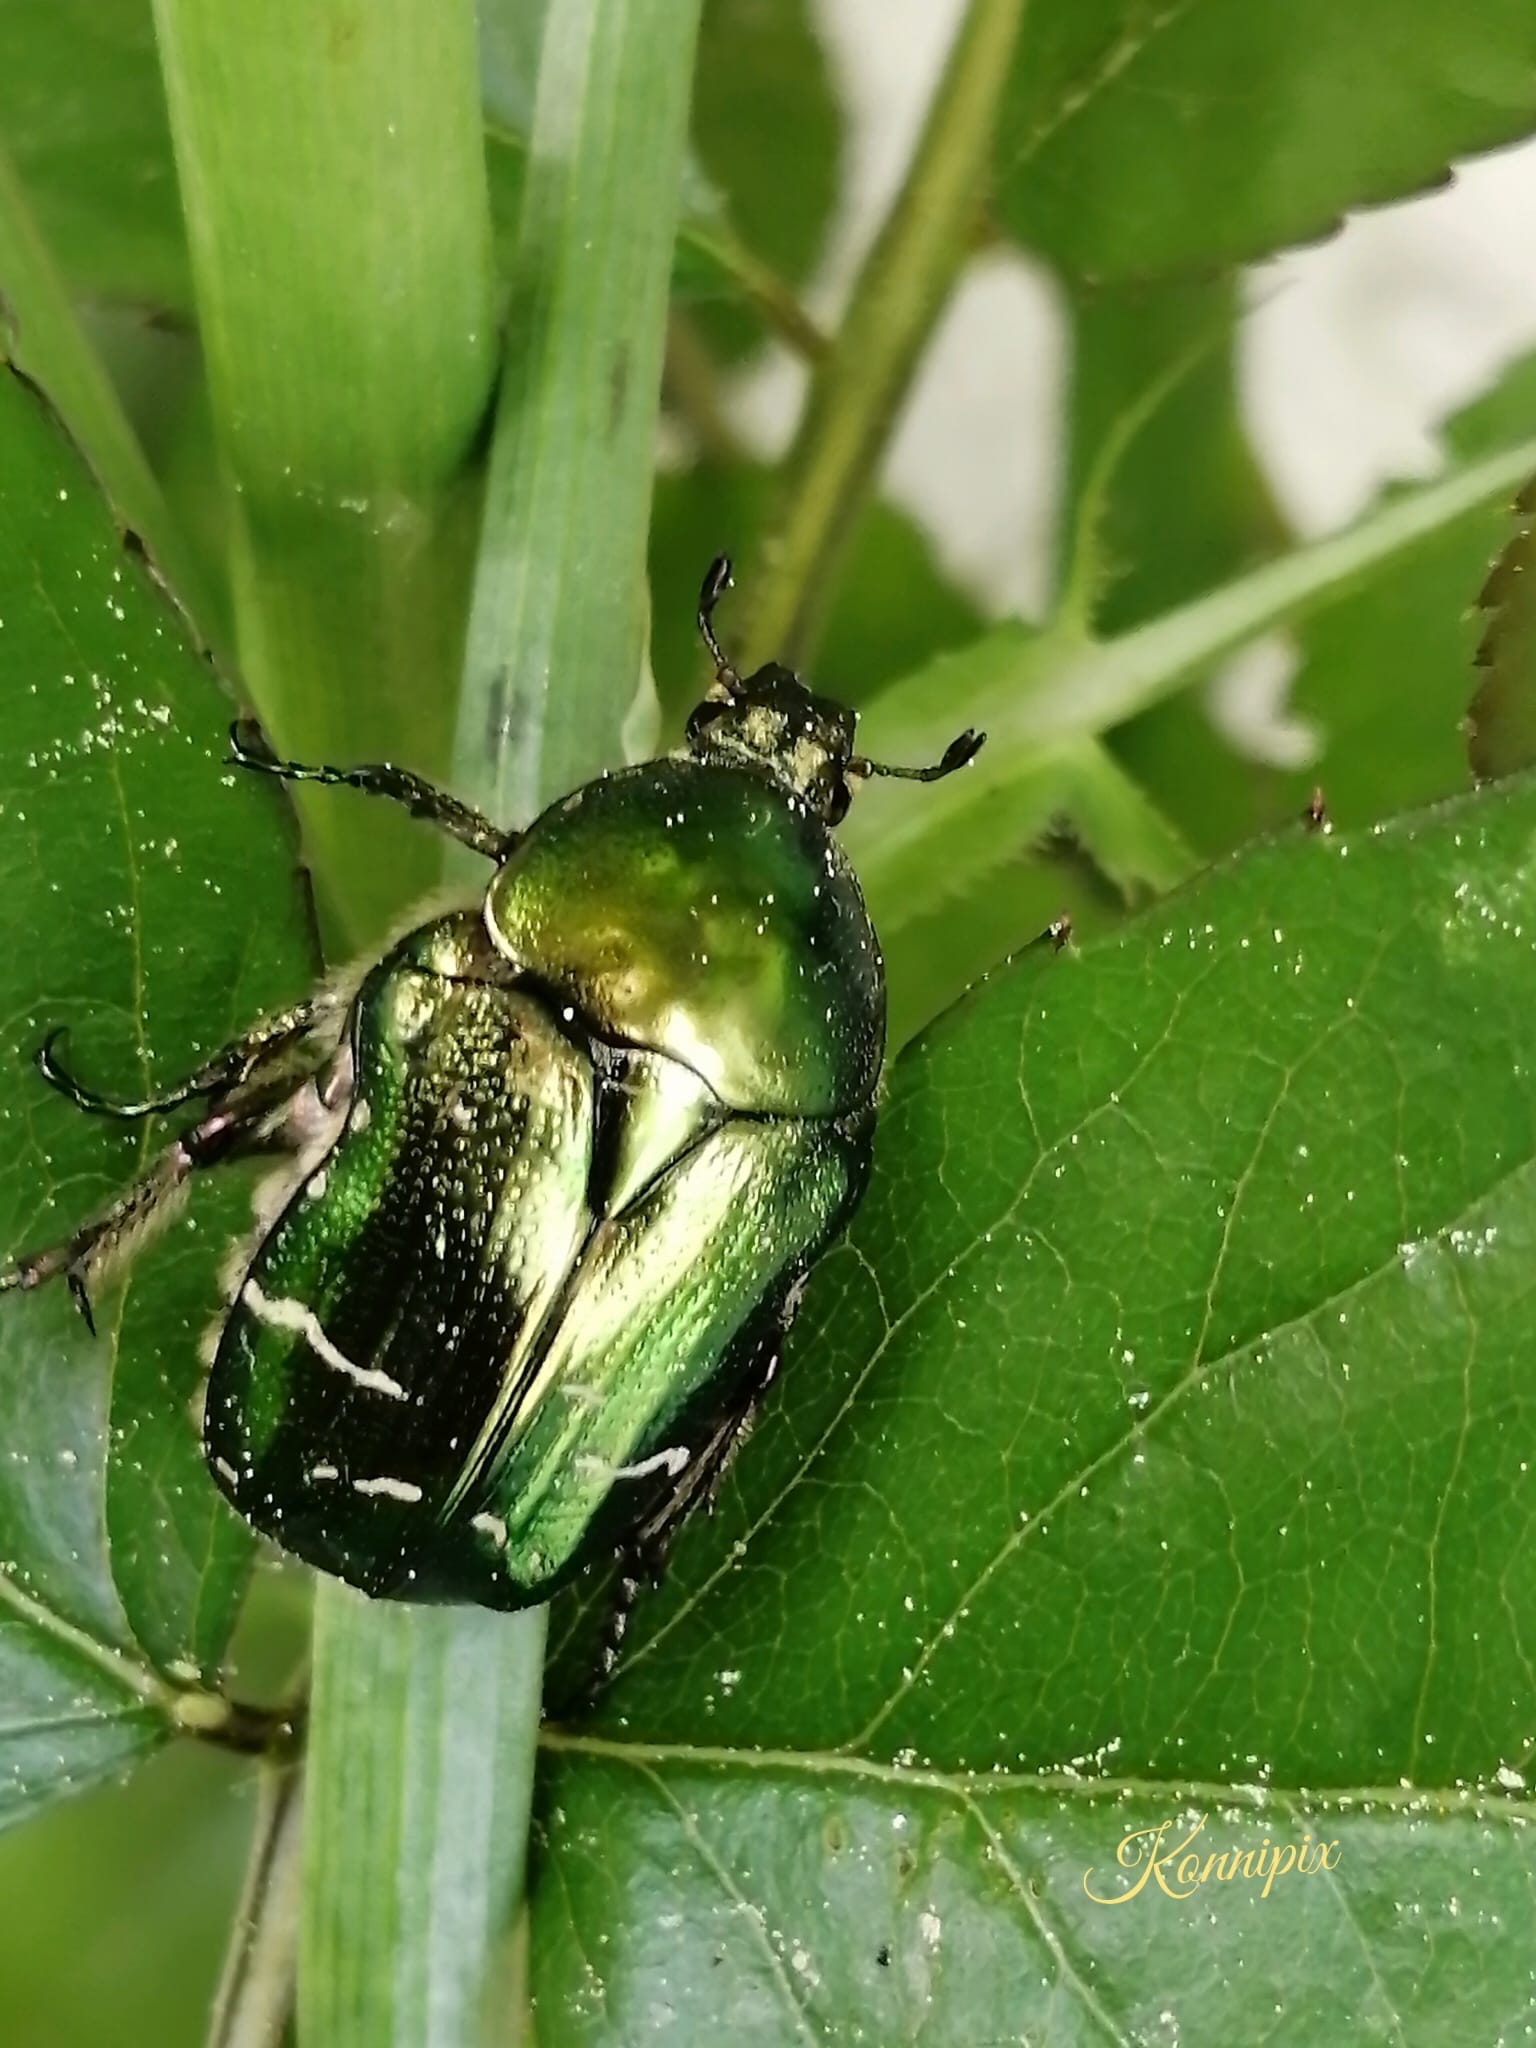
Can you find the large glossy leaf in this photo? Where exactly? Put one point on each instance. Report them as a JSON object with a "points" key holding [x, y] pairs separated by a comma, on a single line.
{"points": [[1146, 136], [1160, 1446], [150, 905]]}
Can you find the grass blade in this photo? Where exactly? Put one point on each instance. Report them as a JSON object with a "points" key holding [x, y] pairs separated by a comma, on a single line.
{"points": [[333, 178]]}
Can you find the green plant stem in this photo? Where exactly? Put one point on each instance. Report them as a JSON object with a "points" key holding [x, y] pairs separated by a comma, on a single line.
{"points": [[39, 330], [333, 178], [255, 1997], [1036, 692], [421, 1777], [860, 383]]}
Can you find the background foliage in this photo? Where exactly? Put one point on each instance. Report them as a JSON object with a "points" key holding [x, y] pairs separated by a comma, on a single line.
{"points": [[1157, 1444]]}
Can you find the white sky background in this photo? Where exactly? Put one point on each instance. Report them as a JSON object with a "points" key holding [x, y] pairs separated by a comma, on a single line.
{"points": [[1352, 351]]}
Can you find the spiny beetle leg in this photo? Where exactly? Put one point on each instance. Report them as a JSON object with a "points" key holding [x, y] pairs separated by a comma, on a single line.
{"points": [[219, 1137], [229, 1068], [381, 778]]}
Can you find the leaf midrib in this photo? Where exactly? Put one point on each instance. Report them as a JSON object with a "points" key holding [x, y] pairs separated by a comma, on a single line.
{"points": [[1481, 1803]]}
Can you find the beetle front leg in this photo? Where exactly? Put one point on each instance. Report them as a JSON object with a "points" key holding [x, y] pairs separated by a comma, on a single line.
{"points": [[382, 778], [229, 1069]]}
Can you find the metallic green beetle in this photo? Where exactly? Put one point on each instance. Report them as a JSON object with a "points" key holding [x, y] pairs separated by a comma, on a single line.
{"points": [[557, 1166]]}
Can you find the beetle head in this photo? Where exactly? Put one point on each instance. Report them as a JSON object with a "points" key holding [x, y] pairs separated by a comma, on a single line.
{"points": [[771, 721]]}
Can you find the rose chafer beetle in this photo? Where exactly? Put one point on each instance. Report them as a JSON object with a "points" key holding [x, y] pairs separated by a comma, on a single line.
{"points": [[556, 1165]]}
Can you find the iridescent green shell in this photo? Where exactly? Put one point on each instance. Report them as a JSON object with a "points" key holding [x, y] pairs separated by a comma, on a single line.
{"points": [[593, 1137]]}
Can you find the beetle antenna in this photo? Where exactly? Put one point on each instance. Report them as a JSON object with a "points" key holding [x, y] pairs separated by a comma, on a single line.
{"points": [[717, 580], [956, 754]]}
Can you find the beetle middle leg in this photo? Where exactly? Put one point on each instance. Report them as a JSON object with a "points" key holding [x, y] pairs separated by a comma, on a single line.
{"points": [[225, 1133], [382, 778]]}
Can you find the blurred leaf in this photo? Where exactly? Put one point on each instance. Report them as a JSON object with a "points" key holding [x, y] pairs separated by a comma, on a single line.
{"points": [[113, 1909], [1076, 815], [40, 328], [1502, 722], [1184, 504], [858, 386], [1036, 692], [1153, 1450], [82, 112], [150, 903], [1386, 675], [767, 128], [1141, 137], [894, 607]]}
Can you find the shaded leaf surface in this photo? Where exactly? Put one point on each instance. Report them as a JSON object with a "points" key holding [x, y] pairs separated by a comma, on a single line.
{"points": [[1159, 1444], [1145, 136], [149, 903]]}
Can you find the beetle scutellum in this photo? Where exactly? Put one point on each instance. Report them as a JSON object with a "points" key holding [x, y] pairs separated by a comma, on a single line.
{"points": [[559, 1164]]}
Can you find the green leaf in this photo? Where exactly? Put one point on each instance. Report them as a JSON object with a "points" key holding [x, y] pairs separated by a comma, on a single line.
{"points": [[711, 260], [1154, 1448], [557, 631], [151, 1873], [46, 338], [1183, 508], [83, 114], [1140, 139], [150, 905], [419, 1767]]}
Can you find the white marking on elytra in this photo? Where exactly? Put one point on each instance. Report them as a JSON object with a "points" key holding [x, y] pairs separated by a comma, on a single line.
{"points": [[395, 1489], [324, 1471], [672, 1461], [492, 1526], [300, 1321], [226, 1471]]}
